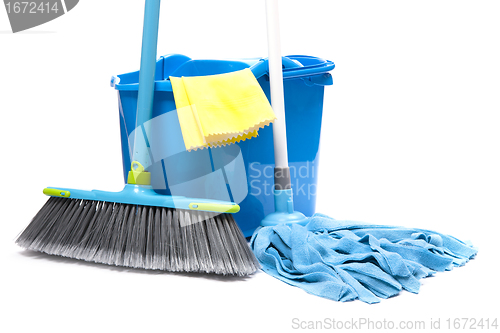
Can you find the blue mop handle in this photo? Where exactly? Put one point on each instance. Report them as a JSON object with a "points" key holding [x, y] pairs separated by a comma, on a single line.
{"points": [[146, 78]]}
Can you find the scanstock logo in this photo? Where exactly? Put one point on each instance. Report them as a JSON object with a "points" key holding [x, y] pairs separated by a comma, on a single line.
{"points": [[28, 14]]}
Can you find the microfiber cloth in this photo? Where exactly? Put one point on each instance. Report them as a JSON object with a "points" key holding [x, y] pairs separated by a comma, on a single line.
{"points": [[221, 109], [347, 260]]}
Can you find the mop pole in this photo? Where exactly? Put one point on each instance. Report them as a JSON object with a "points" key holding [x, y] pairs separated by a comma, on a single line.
{"points": [[283, 196]]}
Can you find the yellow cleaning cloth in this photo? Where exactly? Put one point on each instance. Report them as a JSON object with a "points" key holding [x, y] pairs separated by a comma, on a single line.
{"points": [[221, 109]]}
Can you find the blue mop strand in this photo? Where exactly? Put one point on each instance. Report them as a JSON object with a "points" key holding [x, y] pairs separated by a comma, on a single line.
{"points": [[274, 245], [347, 260]]}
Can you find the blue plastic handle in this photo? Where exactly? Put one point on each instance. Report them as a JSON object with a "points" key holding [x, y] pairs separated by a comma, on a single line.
{"points": [[294, 68], [262, 67], [147, 71]]}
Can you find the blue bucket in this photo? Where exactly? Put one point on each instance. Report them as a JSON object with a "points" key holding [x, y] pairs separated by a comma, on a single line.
{"points": [[242, 172]]}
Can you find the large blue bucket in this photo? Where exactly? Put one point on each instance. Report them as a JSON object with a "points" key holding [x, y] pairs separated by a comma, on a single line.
{"points": [[242, 172]]}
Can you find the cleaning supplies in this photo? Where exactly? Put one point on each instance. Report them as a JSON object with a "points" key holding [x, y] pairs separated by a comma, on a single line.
{"points": [[305, 79], [347, 260], [221, 109], [138, 227]]}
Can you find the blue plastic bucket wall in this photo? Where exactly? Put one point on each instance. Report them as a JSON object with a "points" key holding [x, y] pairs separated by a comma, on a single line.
{"points": [[242, 172]]}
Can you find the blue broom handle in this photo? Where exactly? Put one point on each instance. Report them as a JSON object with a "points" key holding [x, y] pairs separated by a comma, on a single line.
{"points": [[146, 77]]}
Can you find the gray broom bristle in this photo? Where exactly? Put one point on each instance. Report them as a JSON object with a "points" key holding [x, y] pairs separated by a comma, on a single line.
{"points": [[140, 237]]}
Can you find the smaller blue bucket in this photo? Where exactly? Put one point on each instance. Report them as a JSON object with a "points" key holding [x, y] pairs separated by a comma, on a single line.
{"points": [[242, 172]]}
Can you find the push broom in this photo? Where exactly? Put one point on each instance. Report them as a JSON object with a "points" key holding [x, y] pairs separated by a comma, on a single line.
{"points": [[137, 227]]}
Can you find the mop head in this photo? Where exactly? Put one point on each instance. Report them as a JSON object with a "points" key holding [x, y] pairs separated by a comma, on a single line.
{"points": [[346, 260], [140, 236]]}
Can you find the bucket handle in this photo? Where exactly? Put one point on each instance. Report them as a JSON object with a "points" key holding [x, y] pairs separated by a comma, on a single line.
{"points": [[292, 68]]}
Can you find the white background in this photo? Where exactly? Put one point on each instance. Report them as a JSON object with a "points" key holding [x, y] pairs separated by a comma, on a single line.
{"points": [[410, 137]]}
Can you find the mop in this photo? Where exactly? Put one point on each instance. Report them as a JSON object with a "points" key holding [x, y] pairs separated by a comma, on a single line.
{"points": [[340, 260]]}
